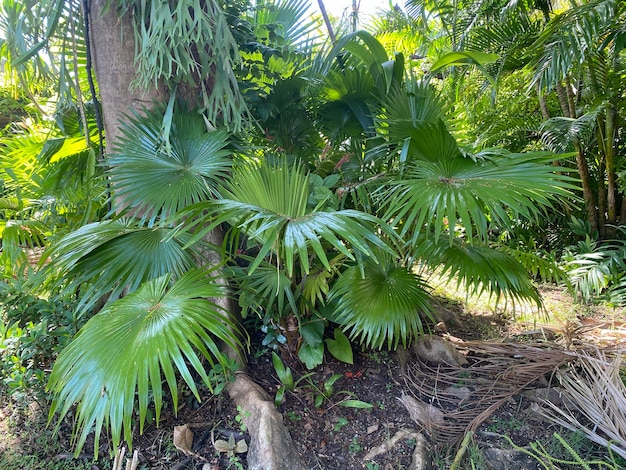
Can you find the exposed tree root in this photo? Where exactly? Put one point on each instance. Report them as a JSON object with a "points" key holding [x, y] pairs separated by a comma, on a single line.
{"points": [[270, 446]]}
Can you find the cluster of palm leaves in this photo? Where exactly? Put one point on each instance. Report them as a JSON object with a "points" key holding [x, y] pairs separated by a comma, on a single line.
{"points": [[325, 244], [322, 220]]}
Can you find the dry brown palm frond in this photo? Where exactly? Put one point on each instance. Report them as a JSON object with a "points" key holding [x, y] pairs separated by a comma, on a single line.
{"points": [[468, 395], [594, 385]]}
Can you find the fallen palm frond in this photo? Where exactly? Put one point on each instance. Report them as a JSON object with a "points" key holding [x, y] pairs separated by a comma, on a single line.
{"points": [[467, 396], [593, 383]]}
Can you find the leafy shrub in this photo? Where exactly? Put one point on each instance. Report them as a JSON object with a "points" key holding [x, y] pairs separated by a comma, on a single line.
{"points": [[33, 330]]}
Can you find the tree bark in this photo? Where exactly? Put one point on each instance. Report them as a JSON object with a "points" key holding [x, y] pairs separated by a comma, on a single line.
{"points": [[545, 114], [113, 50], [562, 95], [569, 90], [609, 158], [583, 172]]}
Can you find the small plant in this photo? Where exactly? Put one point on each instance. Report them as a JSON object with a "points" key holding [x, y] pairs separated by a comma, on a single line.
{"points": [[341, 422], [231, 447], [222, 373], [293, 416], [33, 330], [476, 457], [286, 379], [240, 417], [235, 462], [372, 466], [354, 445], [327, 390], [567, 455], [505, 425], [379, 357]]}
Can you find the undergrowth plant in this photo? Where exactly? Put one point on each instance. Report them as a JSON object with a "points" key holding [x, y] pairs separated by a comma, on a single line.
{"points": [[34, 329], [563, 453]]}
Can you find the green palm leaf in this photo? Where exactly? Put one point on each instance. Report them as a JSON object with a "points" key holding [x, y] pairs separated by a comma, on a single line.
{"points": [[266, 291], [127, 349], [269, 205], [437, 194], [481, 269], [289, 18], [105, 258], [154, 175], [383, 303]]}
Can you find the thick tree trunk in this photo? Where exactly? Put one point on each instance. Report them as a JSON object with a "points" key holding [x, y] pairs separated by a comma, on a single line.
{"points": [[113, 50]]}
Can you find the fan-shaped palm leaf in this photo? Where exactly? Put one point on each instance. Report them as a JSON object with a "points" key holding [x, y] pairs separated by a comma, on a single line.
{"points": [[382, 303], [289, 17], [108, 257], [481, 269], [126, 350], [538, 265], [437, 194], [269, 204], [153, 175], [266, 291]]}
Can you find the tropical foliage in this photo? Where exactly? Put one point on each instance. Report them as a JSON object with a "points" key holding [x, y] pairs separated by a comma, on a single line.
{"points": [[322, 180]]}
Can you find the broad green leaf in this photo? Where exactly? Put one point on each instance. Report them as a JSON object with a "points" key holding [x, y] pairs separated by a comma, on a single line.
{"points": [[312, 331], [284, 373], [464, 58], [356, 404], [154, 174], [311, 356], [382, 304], [340, 347]]}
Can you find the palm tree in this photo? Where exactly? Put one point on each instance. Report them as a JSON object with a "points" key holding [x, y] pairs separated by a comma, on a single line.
{"points": [[394, 191]]}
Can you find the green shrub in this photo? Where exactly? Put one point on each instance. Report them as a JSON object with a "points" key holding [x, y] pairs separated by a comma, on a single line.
{"points": [[33, 330]]}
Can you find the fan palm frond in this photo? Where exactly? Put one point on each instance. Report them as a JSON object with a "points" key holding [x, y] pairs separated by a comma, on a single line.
{"points": [[106, 258], [481, 269], [269, 205], [267, 291], [571, 38], [153, 174], [592, 266], [560, 134], [123, 353], [290, 19], [539, 266], [383, 303], [437, 194], [416, 103]]}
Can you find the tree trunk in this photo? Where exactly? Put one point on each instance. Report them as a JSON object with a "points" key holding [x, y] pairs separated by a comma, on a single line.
{"points": [[601, 190], [113, 50], [569, 91], [545, 114], [583, 172], [562, 95], [609, 139]]}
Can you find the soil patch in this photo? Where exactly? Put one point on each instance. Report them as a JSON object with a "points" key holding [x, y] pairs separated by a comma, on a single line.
{"points": [[331, 435]]}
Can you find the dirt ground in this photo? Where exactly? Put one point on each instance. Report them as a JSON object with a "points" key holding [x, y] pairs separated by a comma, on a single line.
{"points": [[331, 435]]}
